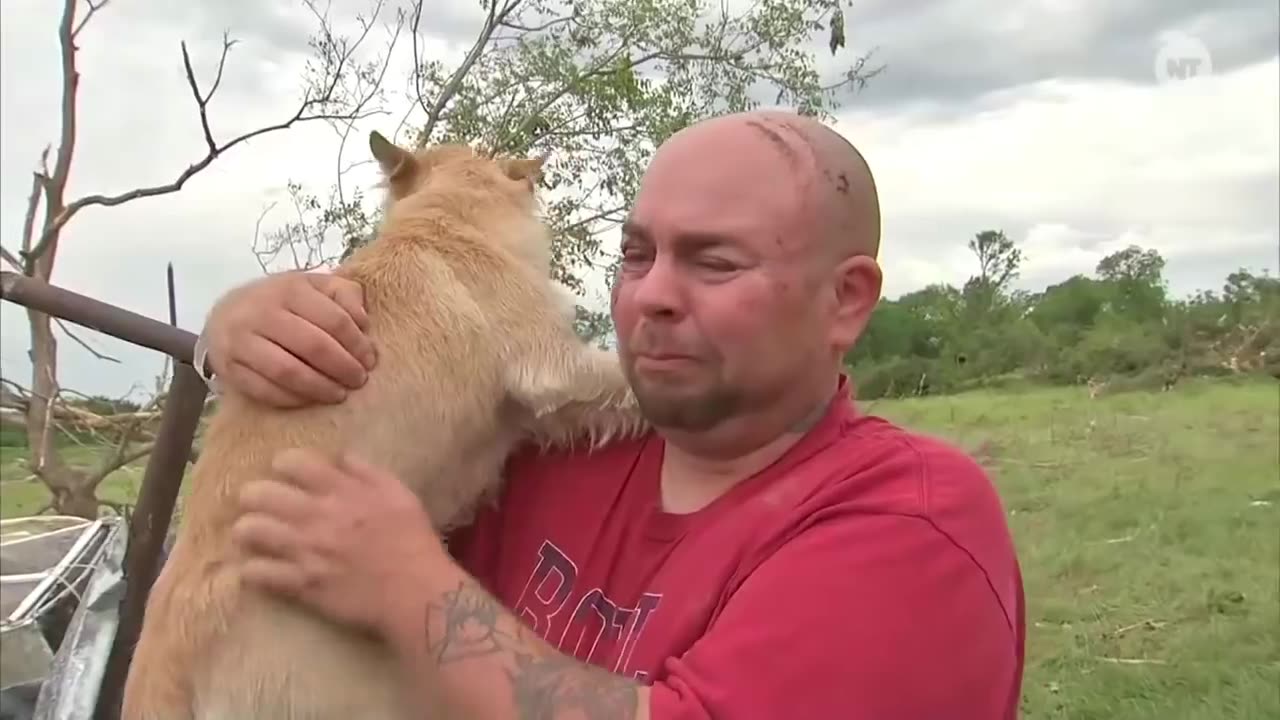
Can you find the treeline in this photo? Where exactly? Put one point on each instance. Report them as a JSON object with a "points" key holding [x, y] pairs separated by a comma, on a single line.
{"points": [[1119, 327]]}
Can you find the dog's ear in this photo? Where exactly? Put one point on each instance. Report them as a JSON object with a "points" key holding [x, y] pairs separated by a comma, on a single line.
{"points": [[395, 161], [527, 169]]}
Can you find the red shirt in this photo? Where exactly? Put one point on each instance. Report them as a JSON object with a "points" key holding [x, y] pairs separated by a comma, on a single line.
{"points": [[867, 574]]}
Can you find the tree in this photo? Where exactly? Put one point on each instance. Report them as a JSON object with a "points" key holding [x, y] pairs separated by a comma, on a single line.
{"points": [[1246, 294], [892, 331], [1239, 329], [998, 264], [1119, 326], [50, 210], [1132, 264], [1068, 309], [595, 85], [1136, 277]]}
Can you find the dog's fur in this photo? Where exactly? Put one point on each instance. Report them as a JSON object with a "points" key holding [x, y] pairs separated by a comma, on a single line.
{"points": [[476, 352]]}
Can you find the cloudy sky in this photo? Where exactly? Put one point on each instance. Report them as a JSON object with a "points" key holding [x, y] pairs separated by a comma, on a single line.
{"points": [[1054, 120]]}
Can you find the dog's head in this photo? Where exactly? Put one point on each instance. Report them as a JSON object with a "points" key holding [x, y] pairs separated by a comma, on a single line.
{"points": [[501, 190], [406, 172]]}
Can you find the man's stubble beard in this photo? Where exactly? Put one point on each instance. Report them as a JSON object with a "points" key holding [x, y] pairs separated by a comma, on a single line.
{"points": [[698, 411]]}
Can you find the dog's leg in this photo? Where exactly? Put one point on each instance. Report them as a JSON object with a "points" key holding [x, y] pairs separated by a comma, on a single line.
{"points": [[574, 392]]}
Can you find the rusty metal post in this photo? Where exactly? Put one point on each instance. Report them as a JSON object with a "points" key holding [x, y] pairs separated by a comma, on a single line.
{"points": [[150, 525], [162, 479], [97, 315]]}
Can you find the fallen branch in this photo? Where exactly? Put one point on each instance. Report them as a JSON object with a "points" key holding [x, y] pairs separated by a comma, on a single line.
{"points": [[1131, 661], [1149, 624], [79, 418]]}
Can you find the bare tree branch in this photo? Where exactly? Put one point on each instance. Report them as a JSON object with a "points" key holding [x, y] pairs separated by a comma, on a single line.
{"points": [[537, 28], [202, 100], [375, 87], [302, 115], [583, 223], [496, 17], [33, 201], [123, 455], [93, 8], [10, 258], [257, 234], [84, 344], [47, 415]]}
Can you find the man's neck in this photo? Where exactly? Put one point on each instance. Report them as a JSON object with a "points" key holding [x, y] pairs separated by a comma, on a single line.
{"points": [[697, 471]]}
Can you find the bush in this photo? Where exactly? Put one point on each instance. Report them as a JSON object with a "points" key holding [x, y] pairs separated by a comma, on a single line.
{"points": [[902, 377]]}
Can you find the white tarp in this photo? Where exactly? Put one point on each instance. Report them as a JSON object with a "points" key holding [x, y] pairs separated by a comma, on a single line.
{"points": [[46, 563]]}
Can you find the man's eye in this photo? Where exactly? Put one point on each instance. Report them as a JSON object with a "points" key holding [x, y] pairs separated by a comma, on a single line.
{"points": [[716, 264], [633, 256]]}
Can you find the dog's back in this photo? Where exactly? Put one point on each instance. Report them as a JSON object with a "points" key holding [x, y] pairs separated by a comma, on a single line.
{"points": [[454, 276]]}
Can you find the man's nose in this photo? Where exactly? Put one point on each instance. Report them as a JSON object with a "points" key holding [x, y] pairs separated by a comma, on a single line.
{"points": [[659, 292]]}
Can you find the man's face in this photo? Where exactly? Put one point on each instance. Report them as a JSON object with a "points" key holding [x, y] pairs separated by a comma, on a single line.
{"points": [[716, 301]]}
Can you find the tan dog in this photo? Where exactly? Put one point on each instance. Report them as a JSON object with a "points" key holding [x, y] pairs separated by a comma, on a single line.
{"points": [[475, 352]]}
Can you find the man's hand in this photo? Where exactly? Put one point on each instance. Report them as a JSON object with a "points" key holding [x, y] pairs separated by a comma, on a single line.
{"points": [[292, 339], [353, 543], [346, 538]]}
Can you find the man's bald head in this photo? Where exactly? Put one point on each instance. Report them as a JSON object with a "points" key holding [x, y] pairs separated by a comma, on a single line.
{"points": [[832, 177], [748, 270]]}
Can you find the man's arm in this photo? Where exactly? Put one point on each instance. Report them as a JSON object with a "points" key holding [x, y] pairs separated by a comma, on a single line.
{"points": [[493, 668]]}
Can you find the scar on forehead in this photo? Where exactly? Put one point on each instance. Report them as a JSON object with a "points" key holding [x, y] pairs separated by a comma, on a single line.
{"points": [[840, 181], [775, 137], [770, 128]]}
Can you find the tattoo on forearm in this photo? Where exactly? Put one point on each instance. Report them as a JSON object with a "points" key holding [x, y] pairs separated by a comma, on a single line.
{"points": [[468, 626], [467, 623], [545, 687]]}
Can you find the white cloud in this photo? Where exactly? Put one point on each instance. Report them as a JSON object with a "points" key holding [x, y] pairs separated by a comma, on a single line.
{"points": [[1076, 170], [1070, 169]]}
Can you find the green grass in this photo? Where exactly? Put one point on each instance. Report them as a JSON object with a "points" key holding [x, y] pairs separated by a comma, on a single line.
{"points": [[21, 494], [1146, 525]]}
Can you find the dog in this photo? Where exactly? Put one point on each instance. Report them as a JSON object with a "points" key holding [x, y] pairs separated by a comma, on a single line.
{"points": [[477, 353]]}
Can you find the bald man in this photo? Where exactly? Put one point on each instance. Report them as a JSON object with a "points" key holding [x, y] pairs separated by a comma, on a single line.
{"points": [[767, 551]]}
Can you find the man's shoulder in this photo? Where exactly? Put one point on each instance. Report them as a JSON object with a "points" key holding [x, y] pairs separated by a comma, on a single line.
{"points": [[878, 470], [900, 470]]}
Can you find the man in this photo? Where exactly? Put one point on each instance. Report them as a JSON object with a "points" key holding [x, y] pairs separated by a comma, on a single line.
{"points": [[767, 552]]}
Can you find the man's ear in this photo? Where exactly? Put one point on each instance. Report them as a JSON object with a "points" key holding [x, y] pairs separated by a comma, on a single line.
{"points": [[526, 169], [858, 284], [394, 160]]}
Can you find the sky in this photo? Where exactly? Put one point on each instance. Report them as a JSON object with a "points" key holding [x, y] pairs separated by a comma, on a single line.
{"points": [[1065, 123]]}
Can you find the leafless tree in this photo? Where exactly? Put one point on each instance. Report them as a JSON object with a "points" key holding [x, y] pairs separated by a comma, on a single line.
{"points": [[49, 210]]}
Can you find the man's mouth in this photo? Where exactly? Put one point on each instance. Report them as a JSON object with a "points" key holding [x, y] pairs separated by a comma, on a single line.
{"points": [[662, 361]]}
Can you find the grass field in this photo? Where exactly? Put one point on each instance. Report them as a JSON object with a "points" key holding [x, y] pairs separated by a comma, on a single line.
{"points": [[1147, 528], [20, 494], [1147, 531]]}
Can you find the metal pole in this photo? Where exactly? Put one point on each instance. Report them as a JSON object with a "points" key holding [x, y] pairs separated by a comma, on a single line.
{"points": [[150, 525], [162, 479], [97, 315]]}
